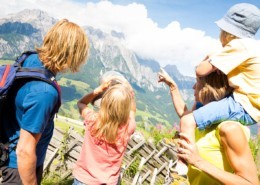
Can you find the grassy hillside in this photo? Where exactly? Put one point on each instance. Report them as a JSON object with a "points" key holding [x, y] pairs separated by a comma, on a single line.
{"points": [[3, 62], [64, 125]]}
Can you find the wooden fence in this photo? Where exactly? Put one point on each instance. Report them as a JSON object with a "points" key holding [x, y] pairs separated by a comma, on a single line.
{"points": [[143, 162]]}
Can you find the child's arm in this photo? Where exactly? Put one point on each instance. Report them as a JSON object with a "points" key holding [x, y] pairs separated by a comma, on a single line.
{"points": [[85, 100], [177, 99], [205, 68]]}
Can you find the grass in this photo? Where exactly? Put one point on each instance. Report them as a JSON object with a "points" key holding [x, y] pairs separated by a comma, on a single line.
{"points": [[147, 115], [3, 62], [64, 125], [57, 181], [68, 109], [66, 82]]}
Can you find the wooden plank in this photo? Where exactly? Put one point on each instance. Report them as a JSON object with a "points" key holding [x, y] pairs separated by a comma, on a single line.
{"points": [[77, 136], [161, 151], [156, 157], [74, 154], [154, 176], [131, 143], [143, 153], [158, 160], [135, 147], [137, 175], [149, 157], [162, 167], [129, 164], [66, 174], [146, 175], [58, 134], [72, 144], [77, 148], [46, 164], [55, 143]]}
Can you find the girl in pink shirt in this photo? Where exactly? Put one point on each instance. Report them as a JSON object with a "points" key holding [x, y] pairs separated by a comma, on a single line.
{"points": [[106, 135]]}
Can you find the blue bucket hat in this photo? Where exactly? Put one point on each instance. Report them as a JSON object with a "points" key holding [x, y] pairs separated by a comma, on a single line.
{"points": [[241, 20]]}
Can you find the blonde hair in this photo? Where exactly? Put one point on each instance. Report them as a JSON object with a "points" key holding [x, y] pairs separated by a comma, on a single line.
{"points": [[114, 112], [65, 47], [214, 87], [226, 37]]}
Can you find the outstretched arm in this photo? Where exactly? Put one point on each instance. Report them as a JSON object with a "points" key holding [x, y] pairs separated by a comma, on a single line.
{"points": [[237, 151], [177, 99]]}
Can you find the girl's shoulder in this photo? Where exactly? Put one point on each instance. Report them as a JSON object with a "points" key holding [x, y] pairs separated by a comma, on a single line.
{"points": [[131, 125], [89, 116]]}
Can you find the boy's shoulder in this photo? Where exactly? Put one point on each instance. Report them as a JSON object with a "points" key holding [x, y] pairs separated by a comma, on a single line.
{"points": [[245, 42]]}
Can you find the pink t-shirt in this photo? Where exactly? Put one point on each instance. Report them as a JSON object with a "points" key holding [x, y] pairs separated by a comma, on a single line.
{"points": [[100, 162]]}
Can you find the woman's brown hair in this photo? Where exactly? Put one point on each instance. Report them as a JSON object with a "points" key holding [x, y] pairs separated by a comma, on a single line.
{"points": [[214, 87]]}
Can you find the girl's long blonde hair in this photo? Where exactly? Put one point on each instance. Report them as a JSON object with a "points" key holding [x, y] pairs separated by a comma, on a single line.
{"points": [[214, 87], [65, 47], [114, 112]]}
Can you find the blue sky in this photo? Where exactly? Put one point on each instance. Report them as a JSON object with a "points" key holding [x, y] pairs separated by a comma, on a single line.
{"points": [[197, 14], [177, 32]]}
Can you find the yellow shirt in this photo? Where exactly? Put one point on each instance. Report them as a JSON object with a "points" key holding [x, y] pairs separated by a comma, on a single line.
{"points": [[240, 61], [211, 149]]}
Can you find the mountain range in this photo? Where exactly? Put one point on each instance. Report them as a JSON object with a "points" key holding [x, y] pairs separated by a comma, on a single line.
{"points": [[25, 30]]}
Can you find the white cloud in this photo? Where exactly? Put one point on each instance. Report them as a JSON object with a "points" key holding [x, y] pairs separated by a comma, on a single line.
{"points": [[184, 47]]}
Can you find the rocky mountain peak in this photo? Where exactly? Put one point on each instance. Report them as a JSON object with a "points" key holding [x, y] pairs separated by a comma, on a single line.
{"points": [[37, 18]]}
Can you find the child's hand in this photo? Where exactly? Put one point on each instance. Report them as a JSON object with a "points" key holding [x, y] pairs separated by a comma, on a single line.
{"points": [[102, 88]]}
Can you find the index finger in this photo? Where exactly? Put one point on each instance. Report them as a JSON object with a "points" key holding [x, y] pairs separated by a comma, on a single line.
{"points": [[161, 76]]}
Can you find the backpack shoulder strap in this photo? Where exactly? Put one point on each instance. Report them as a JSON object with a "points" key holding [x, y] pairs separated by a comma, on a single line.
{"points": [[40, 73], [19, 60]]}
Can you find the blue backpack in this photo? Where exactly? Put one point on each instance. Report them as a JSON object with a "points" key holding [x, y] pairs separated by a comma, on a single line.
{"points": [[9, 73]]}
